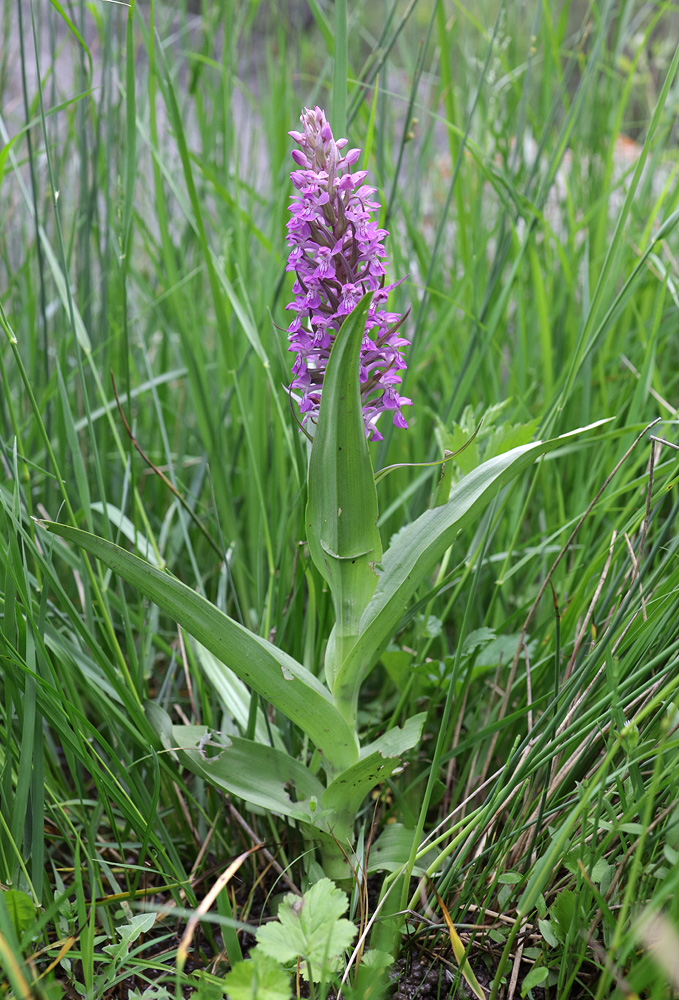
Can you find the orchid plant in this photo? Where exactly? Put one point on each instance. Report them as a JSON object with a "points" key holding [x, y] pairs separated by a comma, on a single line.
{"points": [[337, 253], [346, 376]]}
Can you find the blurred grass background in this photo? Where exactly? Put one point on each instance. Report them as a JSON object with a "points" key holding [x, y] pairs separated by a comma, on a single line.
{"points": [[525, 157]]}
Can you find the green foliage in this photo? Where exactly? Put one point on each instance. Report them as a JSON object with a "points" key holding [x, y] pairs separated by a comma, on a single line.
{"points": [[20, 908], [478, 437], [525, 157], [341, 514], [267, 669], [312, 928], [416, 549], [535, 977], [345, 543], [162, 993], [259, 977]]}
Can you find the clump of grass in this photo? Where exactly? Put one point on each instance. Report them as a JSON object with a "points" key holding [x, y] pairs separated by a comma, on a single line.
{"points": [[525, 160]]}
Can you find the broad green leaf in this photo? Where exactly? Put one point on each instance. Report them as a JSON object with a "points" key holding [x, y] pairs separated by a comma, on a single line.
{"points": [[20, 908], [257, 978], [255, 772], [417, 549], [310, 928], [377, 762], [235, 697], [397, 740], [346, 792], [341, 514], [391, 851], [269, 671]]}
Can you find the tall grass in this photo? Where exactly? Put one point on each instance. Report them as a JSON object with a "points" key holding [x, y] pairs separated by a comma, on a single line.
{"points": [[526, 155]]}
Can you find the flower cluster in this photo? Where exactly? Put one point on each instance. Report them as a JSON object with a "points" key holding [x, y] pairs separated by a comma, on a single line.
{"points": [[337, 254]]}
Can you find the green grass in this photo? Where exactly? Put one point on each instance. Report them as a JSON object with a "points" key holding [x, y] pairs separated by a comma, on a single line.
{"points": [[143, 193]]}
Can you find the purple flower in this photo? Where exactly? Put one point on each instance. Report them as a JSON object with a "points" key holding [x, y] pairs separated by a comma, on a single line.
{"points": [[337, 255]]}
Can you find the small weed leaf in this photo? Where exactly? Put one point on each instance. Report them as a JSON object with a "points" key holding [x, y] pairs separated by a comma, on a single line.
{"points": [[547, 931], [136, 926], [311, 928], [479, 637], [534, 978], [160, 993]]}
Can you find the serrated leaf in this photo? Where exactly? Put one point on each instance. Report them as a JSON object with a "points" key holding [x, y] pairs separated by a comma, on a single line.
{"points": [[20, 908], [371, 981], [455, 440], [563, 911], [269, 671], [431, 626], [479, 637], [601, 871], [257, 978], [508, 436], [310, 928], [160, 993], [374, 958]]}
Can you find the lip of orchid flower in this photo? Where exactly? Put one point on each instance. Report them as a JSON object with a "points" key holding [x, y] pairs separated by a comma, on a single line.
{"points": [[337, 255]]}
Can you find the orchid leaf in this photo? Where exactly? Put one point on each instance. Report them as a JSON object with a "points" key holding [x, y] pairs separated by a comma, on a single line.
{"points": [[341, 515], [347, 791], [418, 548], [260, 774], [391, 851], [236, 698], [278, 677], [398, 740]]}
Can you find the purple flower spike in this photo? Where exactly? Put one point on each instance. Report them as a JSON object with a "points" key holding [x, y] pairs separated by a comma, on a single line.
{"points": [[337, 254]]}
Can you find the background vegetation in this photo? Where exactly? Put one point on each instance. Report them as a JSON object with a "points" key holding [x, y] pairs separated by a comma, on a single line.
{"points": [[525, 155]]}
